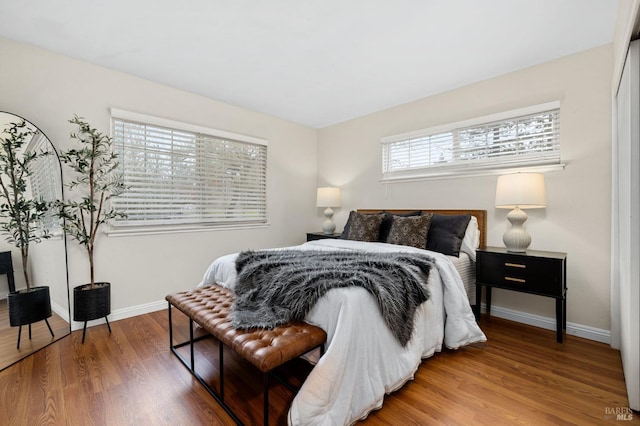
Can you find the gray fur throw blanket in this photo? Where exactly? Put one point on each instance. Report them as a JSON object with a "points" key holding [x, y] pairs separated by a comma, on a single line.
{"points": [[277, 286]]}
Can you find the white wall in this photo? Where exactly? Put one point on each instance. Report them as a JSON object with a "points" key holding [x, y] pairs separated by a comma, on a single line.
{"points": [[577, 219], [48, 89]]}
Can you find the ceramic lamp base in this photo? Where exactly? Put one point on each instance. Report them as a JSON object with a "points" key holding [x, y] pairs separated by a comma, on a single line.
{"points": [[517, 239], [328, 226]]}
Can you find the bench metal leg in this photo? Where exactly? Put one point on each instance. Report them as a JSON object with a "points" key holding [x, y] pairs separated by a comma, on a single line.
{"points": [[190, 365], [221, 368], [265, 390], [219, 396], [191, 351], [170, 328]]}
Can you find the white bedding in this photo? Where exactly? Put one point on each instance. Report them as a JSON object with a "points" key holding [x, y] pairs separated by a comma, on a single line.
{"points": [[363, 360]]}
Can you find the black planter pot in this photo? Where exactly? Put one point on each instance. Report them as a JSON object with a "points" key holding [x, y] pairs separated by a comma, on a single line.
{"points": [[91, 303], [27, 307]]}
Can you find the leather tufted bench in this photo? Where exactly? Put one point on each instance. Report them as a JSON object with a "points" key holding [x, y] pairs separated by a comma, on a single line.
{"points": [[210, 307]]}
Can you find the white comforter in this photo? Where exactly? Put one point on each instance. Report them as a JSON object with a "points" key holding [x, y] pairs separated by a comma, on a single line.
{"points": [[363, 360]]}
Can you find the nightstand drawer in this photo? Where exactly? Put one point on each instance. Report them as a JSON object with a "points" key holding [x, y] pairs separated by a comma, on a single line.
{"points": [[522, 273]]}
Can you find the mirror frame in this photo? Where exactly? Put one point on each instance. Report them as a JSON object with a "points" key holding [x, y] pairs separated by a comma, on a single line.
{"points": [[66, 253]]}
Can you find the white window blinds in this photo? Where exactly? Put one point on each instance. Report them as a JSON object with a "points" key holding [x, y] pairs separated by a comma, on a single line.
{"points": [[45, 180], [489, 143], [178, 176]]}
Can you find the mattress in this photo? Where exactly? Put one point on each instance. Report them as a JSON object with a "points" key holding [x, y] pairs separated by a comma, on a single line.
{"points": [[467, 270]]}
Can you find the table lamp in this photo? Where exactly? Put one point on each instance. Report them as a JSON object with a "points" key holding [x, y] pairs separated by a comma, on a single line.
{"points": [[328, 197], [519, 191]]}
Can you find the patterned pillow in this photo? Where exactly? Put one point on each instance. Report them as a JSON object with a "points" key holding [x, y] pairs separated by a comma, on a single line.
{"points": [[410, 231], [365, 227], [385, 226]]}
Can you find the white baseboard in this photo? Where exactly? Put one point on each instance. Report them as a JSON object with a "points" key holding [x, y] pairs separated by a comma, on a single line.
{"points": [[584, 331], [129, 312], [60, 310], [579, 330]]}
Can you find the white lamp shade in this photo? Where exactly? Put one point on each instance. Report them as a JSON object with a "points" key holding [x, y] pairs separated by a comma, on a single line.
{"points": [[524, 190], [328, 197]]}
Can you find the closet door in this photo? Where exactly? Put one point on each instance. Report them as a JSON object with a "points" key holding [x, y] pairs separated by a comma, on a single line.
{"points": [[626, 234]]}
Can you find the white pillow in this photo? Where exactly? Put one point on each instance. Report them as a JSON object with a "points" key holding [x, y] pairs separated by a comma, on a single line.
{"points": [[471, 240], [222, 271]]}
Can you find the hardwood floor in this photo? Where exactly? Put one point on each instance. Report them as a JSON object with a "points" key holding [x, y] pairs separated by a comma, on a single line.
{"points": [[40, 336], [520, 376]]}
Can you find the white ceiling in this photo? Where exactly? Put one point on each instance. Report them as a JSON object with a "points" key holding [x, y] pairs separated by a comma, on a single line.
{"points": [[314, 62]]}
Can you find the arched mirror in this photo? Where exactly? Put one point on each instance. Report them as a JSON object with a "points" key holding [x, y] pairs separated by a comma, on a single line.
{"points": [[30, 320]]}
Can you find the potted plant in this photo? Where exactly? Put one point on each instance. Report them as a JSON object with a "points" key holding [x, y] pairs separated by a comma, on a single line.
{"points": [[21, 218], [96, 181]]}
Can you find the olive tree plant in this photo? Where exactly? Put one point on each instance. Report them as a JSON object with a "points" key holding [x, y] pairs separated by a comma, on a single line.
{"points": [[21, 216], [95, 181]]}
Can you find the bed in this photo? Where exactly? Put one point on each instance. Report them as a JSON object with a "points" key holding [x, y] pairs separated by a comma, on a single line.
{"points": [[363, 358]]}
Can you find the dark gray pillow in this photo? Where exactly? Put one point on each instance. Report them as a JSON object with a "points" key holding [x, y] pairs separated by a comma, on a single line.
{"points": [[410, 231], [446, 233], [364, 227]]}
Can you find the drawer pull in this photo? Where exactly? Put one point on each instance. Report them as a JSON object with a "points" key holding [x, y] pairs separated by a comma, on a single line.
{"points": [[515, 265], [518, 280]]}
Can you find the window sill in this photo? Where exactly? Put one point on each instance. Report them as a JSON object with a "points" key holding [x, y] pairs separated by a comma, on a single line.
{"points": [[177, 229], [453, 174]]}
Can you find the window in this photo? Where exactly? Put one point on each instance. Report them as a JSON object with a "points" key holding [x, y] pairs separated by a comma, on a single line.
{"points": [[44, 181], [514, 140], [179, 174]]}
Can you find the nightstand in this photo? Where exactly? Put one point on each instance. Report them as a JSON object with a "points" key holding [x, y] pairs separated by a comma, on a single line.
{"points": [[311, 236], [543, 273]]}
